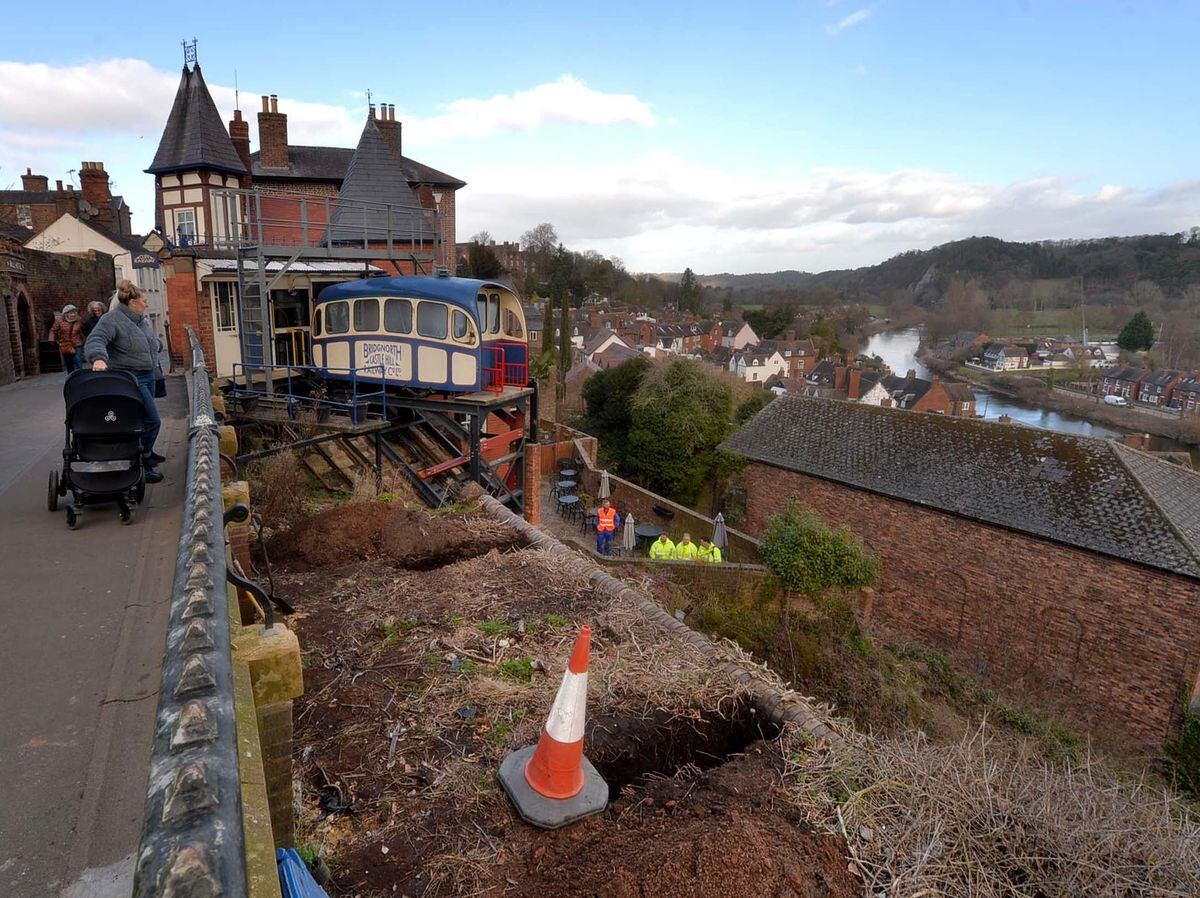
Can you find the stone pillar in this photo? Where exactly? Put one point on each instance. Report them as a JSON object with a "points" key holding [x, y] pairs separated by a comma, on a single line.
{"points": [[276, 676], [533, 485]]}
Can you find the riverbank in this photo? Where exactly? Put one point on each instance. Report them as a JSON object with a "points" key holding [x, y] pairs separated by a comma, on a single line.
{"points": [[1033, 391]]}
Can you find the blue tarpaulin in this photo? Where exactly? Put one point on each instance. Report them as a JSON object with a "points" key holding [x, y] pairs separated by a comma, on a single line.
{"points": [[294, 879]]}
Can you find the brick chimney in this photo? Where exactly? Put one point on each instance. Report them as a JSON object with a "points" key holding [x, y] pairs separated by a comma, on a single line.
{"points": [[272, 135], [239, 134], [93, 185], [855, 387], [389, 128], [30, 181]]}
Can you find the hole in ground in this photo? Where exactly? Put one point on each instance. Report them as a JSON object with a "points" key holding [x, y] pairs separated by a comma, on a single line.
{"points": [[626, 749]]}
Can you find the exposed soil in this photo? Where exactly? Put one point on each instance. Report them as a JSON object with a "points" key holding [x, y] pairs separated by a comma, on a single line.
{"points": [[417, 684], [407, 537], [722, 833]]}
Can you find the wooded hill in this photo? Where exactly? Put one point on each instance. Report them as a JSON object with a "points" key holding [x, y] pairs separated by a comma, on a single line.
{"points": [[1110, 265]]}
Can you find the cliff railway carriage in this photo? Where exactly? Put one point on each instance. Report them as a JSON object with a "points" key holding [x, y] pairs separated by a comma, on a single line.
{"points": [[433, 371], [441, 334]]}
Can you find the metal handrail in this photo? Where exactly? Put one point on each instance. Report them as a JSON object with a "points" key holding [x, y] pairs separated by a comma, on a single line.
{"points": [[295, 402], [192, 840]]}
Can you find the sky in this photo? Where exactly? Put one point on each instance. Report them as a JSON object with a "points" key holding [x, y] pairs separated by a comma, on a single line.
{"points": [[815, 134]]}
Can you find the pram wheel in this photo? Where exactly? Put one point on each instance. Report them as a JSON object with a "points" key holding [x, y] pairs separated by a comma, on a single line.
{"points": [[52, 491], [72, 518], [126, 513]]}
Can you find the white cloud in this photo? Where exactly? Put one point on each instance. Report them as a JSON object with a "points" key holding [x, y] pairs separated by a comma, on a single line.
{"points": [[855, 18], [660, 212], [565, 101]]}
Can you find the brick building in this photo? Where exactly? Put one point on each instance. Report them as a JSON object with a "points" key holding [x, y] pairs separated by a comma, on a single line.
{"points": [[1063, 570], [33, 287], [367, 196], [36, 206]]}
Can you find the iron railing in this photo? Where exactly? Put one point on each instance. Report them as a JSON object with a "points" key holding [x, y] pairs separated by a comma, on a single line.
{"points": [[293, 386], [192, 840]]}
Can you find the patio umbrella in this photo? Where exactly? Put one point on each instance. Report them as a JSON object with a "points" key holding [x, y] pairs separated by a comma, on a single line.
{"points": [[605, 490], [628, 537], [720, 538]]}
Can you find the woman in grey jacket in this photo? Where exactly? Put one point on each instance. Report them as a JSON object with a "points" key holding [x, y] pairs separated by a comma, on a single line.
{"points": [[118, 341]]}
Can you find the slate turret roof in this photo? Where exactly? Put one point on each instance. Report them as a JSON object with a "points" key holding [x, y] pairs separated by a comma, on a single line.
{"points": [[195, 136], [1085, 492], [374, 183], [307, 163]]}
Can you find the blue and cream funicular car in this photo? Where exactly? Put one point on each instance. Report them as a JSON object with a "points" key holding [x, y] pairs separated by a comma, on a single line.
{"points": [[440, 334]]}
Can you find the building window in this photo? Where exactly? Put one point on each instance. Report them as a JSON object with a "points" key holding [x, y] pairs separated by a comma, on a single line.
{"points": [[224, 295], [185, 226]]}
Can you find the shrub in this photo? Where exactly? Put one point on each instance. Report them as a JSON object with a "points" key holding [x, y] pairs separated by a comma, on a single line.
{"points": [[1183, 756], [809, 557], [278, 489]]}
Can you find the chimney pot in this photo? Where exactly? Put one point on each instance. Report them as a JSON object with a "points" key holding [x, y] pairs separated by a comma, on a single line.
{"points": [[28, 170], [274, 103], [266, 103], [391, 112], [60, 187], [370, 110]]}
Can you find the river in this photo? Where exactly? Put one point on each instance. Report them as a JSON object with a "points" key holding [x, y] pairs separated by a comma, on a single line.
{"points": [[898, 349]]}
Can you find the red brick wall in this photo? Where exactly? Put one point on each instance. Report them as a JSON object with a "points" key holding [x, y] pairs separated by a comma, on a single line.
{"points": [[1111, 645], [187, 307], [54, 280]]}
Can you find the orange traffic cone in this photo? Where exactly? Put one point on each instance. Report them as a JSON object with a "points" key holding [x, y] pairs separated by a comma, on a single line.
{"points": [[552, 784]]}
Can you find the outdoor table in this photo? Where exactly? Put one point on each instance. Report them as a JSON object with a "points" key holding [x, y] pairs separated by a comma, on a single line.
{"points": [[565, 486], [567, 504], [647, 533], [567, 473]]}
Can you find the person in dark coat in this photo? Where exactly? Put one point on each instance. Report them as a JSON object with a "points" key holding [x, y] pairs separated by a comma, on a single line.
{"points": [[120, 342]]}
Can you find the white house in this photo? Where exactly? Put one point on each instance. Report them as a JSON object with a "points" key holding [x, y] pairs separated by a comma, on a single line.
{"points": [[70, 234], [603, 340], [876, 394], [738, 335], [756, 367]]}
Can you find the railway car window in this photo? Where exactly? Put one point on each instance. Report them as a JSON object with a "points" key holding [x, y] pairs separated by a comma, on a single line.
{"points": [[317, 323], [512, 325], [481, 311], [431, 320], [494, 313], [462, 327], [337, 317], [366, 314], [397, 316]]}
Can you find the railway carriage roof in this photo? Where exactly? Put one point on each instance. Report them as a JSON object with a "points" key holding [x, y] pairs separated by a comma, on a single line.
{"points": [[457, 291]]}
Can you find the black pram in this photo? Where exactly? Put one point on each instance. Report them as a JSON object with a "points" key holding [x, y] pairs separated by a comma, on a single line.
{"points": [[102, 458]]}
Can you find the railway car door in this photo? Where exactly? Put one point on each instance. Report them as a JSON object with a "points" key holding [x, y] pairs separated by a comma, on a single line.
{"points": [[291, 327]]}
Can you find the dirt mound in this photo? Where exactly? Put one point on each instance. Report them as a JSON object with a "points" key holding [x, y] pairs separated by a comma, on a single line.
{"points": [[410, 538], [709, 836]]}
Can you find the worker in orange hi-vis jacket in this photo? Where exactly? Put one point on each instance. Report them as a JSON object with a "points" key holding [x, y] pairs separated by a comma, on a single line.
{"points": [[607, 522]]}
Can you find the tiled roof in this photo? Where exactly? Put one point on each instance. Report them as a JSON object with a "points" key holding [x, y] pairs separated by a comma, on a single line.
{"points": [[307, 163], [32, 197], [374, 184], [15, 232], [1080, 491], [194, 134]]}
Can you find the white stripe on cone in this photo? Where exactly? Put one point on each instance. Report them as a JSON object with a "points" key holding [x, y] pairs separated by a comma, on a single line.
{"points": [[565, 723]]}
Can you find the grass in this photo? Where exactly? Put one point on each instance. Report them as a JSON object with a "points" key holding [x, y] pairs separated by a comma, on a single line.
{"points": [[556, 620], [519, 670], [395, 630], [494, 627]]}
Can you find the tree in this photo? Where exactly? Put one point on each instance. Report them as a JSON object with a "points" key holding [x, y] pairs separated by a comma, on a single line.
{"points": [[1137, 334], [482, 260], [808, 556], [680, 415], [540, 242], [751, 407], [608, 398], [689, 291], [564, 345]]}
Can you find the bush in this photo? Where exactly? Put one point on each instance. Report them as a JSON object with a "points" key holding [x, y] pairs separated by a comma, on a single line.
{"points": [[277, 489], [809, 557], [1183, 756]]}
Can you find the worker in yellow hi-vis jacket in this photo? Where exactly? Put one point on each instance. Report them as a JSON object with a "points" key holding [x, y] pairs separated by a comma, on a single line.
{"points": [[708, 552], [685, 549], [662, 548]]}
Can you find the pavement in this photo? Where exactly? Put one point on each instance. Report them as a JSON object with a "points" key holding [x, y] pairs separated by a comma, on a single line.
{"points": [[83, 620]]}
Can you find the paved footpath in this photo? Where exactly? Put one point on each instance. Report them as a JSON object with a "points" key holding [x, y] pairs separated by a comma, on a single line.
{"points": [[83, 617]]}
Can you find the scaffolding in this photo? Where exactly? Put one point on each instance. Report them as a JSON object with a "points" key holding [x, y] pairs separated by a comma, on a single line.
{"points": [[437, 441], [268, 232]]}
